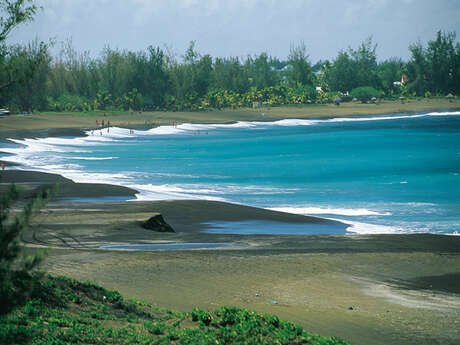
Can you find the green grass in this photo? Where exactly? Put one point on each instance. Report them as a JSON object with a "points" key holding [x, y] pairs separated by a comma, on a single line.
{"points": [[65, 311]]}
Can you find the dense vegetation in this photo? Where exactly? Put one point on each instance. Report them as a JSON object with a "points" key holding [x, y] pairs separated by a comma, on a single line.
{"points": [[155, 79], [65, 311]]}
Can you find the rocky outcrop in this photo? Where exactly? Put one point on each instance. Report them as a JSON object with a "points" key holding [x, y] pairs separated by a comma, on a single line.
{"points": [[157, 223]]}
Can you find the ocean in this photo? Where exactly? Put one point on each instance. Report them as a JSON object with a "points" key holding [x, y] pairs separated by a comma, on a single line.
{"points": [[378, 174]]}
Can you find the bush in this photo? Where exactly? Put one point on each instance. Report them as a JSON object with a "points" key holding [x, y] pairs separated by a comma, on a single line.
{"points": [[364, 93], [69, 102], [17, 283]]}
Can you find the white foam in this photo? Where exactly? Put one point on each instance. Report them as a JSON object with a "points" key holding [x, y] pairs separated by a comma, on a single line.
{"points": [[294, 122], [239, 124], [374, 118], [92, 158], [94, 137], [449, 113], [172, 192], [353, 226], [199, 191], [189, 127], [336, 211], [163, 130], [370, 229]]}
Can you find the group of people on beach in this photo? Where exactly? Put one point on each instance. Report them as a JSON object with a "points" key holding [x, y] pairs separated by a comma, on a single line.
{"points": [[101, 126]]}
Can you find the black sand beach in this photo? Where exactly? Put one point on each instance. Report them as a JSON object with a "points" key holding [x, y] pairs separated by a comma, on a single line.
{"points": [[367, 289]]}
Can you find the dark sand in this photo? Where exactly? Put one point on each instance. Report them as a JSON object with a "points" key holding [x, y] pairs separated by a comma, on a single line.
{"points": [[367, 289]]}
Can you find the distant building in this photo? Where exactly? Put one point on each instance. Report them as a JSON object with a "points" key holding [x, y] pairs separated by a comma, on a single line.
{"points": [[404, 79]]}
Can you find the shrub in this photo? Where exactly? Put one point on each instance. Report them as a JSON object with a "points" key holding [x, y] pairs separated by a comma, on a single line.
{"points": [[200, 315], [364, 93], [17, 282], [69, 102]]}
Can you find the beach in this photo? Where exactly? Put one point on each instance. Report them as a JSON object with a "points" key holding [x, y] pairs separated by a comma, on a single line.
{"points": [[69, 124], [367, 289]]}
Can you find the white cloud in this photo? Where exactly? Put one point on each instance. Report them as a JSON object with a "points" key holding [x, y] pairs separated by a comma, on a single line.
{"points": [[241, 27]]}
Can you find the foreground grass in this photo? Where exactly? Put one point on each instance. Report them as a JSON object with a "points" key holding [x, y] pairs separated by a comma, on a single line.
{"points": [[65, 311]]}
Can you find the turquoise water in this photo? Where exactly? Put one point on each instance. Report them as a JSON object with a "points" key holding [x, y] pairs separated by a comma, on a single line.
{"points": [[258, 227], [380, 174]]}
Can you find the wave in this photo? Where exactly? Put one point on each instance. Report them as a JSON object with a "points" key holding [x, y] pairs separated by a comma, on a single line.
{"points": [[444, 113], [151, 192], [361, 228], [199, 191], [190, 128], [354, 227], [335, 211], [92, 158], [102, 136]]}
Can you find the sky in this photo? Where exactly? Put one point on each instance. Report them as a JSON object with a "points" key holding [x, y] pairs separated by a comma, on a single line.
{"points": [[242, 27]]}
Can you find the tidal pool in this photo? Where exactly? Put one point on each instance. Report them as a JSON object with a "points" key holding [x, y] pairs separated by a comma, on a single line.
{"points": [[260, 227]]}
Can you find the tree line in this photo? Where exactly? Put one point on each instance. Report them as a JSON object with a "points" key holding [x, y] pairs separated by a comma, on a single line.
{"points": [[32, 78]]}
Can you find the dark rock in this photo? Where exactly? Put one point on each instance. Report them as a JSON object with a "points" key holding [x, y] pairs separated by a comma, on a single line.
{"points": [[157, 223]]}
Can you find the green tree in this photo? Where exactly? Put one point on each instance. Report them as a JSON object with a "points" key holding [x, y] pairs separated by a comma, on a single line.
{"points": [[417, 70], [14, 13], [456, 69], [15, 266], [388, 72], [365, 61], [354, 68], [156, 79], [441, 56], [26, 70], [261, 72], [191, 79], [301, 70], [340, 75], [229, 74]]}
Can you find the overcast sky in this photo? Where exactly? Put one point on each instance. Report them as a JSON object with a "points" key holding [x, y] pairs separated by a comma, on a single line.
{"points": [[242, 27]]}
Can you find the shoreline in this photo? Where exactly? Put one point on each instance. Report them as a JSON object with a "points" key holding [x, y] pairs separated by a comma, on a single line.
{"points": [[107, 192], [74, 124], [368, 289]]}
